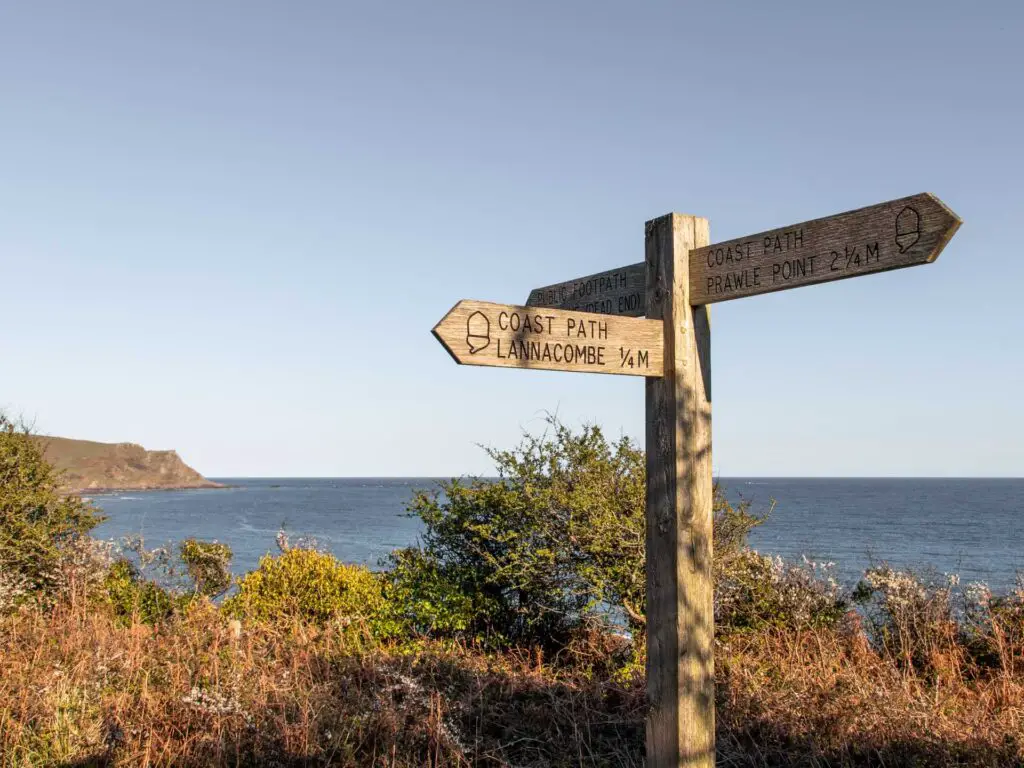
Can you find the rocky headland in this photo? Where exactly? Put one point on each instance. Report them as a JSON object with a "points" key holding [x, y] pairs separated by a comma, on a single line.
{"points": [[94, 467]]}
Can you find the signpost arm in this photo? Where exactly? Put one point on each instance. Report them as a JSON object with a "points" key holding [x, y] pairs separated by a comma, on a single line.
{"points": [[680, 609]]}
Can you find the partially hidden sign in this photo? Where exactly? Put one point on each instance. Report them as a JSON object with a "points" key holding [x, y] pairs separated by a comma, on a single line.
{"points": [[899, 233], [615, 292], [509, 336], [591, 325]]}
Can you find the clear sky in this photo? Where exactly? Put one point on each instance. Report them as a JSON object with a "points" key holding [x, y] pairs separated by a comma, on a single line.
{"points": [[228, 228]]}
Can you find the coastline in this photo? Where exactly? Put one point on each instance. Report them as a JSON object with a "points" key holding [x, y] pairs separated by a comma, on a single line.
{"points": [[209, 486]]}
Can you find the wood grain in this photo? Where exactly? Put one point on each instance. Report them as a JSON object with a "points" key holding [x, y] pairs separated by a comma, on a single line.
{"points": [[510, 336], [680, 609], [613, 292], [845, 245], [891, 235]]}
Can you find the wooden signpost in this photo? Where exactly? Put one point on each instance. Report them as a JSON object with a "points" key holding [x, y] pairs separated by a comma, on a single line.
{"points": [[596, 317], [615, 292], [899, 233], [481, 333]]}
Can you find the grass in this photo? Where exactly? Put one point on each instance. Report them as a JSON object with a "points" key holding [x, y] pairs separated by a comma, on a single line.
{"points": [[78, 688], [823, 698], [99, 668]]}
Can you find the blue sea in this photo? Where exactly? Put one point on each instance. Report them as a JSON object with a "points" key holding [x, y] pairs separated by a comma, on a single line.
{"points": [[971, 527]]}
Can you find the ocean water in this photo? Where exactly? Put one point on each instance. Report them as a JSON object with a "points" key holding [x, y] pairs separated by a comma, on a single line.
{"points": [[971, 527], [360, 520]]}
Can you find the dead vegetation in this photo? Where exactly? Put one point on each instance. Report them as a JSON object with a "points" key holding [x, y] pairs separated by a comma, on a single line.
{"points": [[78, 687], [482, 648]]}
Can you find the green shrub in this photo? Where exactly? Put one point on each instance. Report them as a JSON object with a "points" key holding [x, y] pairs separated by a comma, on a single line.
{"points": [[500, 564], [208, 565], [757, 591], [524, 559], [560, 536], [312, 586], [37, 522], [134, 598], [421, 597]]}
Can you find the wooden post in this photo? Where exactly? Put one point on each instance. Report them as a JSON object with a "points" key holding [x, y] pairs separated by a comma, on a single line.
{"points": [[680, 609], [681, 269]]}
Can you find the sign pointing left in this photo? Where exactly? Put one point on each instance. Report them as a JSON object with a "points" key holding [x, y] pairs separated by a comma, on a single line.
{"points": [[509, 336]]}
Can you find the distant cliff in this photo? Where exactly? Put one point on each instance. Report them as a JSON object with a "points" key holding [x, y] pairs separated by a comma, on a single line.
{"points": [[90, 466]]}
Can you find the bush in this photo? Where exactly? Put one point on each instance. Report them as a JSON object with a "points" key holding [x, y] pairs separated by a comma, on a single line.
{"points": [[911, 615], [208, 565], [13, 589], [758, 591], [312, 586], [523, 560], [136, 599], [422, 598], [37, 522], [83, 567], [995, 626], [530, 558]]}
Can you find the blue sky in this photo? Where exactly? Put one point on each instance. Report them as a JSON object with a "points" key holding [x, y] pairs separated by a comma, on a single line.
{"points": [[228, 228]]}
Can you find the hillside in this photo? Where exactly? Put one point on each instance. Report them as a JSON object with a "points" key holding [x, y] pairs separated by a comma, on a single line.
{"points": [[91, 466]]}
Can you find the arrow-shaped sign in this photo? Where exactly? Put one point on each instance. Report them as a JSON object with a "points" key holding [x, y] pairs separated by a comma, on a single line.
{"points": [[615, 292], [509, 336], [899, 233]]}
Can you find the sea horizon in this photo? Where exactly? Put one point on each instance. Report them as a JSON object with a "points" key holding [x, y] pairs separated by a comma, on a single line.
{"points": [[972, 526]]}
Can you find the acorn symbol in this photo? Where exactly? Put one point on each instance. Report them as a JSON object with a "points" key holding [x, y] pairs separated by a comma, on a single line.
{"points": [[908, 228], [478, 332]]}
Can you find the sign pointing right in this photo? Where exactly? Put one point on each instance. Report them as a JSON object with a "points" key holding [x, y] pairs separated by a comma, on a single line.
{"points": [[899, 233], [589, 325]]}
